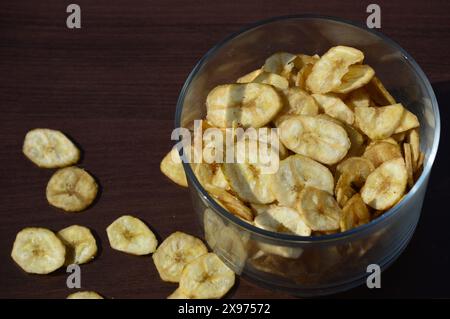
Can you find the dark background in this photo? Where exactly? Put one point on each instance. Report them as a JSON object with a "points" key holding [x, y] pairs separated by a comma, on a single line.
{"points": [[113, 85]]}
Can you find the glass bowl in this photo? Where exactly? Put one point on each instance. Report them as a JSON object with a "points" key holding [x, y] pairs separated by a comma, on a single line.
{"points": [[310, 266]]}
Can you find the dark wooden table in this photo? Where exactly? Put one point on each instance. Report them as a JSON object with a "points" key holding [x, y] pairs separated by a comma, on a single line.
{"points": [[112, 86]]}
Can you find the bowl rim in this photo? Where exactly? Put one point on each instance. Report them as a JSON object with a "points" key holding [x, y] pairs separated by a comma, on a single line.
{"points": [[294, 239]]}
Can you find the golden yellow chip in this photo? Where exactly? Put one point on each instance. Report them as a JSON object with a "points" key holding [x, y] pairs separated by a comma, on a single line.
{"points": [[230, 203], [357, 76], [81, 246], [408, 164], [378, 93], [284, 220], [382, 151], [378, 122], [172, 167], [249, 77], [354, 213], [85, 295], [277, 81], [332, 105]]}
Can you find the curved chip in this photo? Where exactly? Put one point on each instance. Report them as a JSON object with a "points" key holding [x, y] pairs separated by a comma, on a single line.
{"points": [[319, 209], [334, 107], [407, 122], [273, 79], [408, 164], [354, 213], [38, 250], [382, 151], [327, 73], [174, 253], [378, 93], [85, 295], [50, 149], [207, 277], [130, 235], [71, 189], [295, 173], [378, 122], [315, 137], [413, 139], [230, 202], [284, 220], [248, 105], [358, 97], [172, 166], [249, 77], [298, 102], [81, 246], [356, 77], [280, 63], [355, 165], [386, 185]]}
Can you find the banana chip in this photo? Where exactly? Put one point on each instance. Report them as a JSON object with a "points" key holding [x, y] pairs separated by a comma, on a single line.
{"points": [[207, 277], [284, 220], [356, 77], [334, 107], [378, 92], [71, 189], [382, 151], [295, 173], [379, 122], [327, 73], [81, 246], [249, 77], [386, 185], [50, 149], [408, 164], [248, 105], [130, 235], [358, 97], [230, 203], [273, 79], [174, 169], [407, 122], [304, 64], [414, 141], [85, 295], [315, 137], [319, 209], [280, 63], [174, 253], [354, 213], [298, 102], [38, 251], [355, 165]]}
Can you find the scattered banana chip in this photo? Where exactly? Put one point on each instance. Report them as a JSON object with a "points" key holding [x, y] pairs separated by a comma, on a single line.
{"points": [[173, 169], [407, 122], [408, 164], [130, 235], [231, 203], [249, 77], [273, 79], [50, 149], [280, 63], [315, 137], [71, 189], [248, 105], [334, 107], [81, 246], [382, 151], [354, 213], [295, 173], [319, 209], [386, 185], [178, 294], [378, 122], [85, 295], [207, 277], [328, 72], [284, 220], [356, 77], [378, 93], [174, 253], [38, 251]]}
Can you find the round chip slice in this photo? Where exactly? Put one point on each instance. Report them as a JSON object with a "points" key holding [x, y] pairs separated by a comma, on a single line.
{"points": [[327, 73], [81, 246], [71, 189], [356, 77], [273, 79], [408, 121], [354, 213], [174, 169], [130, 235], [315, 137], [320, 210], [248, 105], [50, 149], [280, 63], [298, 102], [284, 220], [207, 277], [38, 251], [386, 185], [230, 202], [174, 253], [379, 122], [334, 107], [295, 173], [358, 97], [85, 295], [382, 151]]}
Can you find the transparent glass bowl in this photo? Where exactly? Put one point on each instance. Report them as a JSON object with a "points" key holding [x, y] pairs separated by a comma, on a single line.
{"points": [[310, 266]]}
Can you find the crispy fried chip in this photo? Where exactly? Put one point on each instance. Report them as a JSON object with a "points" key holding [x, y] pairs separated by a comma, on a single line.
{"points": [[315, 137], [356, 77], [382, 151], [414, 141], [38, 250], [172, 167], [354, 213], [273, 79], [408, 164], [50, 149], [174, 253], [378, 92], [85, 295], [407, 122], [358, 97], [319, 209], [327, 73], [130, 235], [284, 220], [230, 202], [249, 77], [71, 189], [378, 122], [298, 102], [295, 173], [81, 246], [249, 105], [280, 63], [334, 107], [386, 185], [207, 277]]}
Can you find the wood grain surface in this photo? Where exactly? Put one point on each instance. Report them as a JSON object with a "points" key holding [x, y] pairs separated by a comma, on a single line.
{"points": [[112, 86]]}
